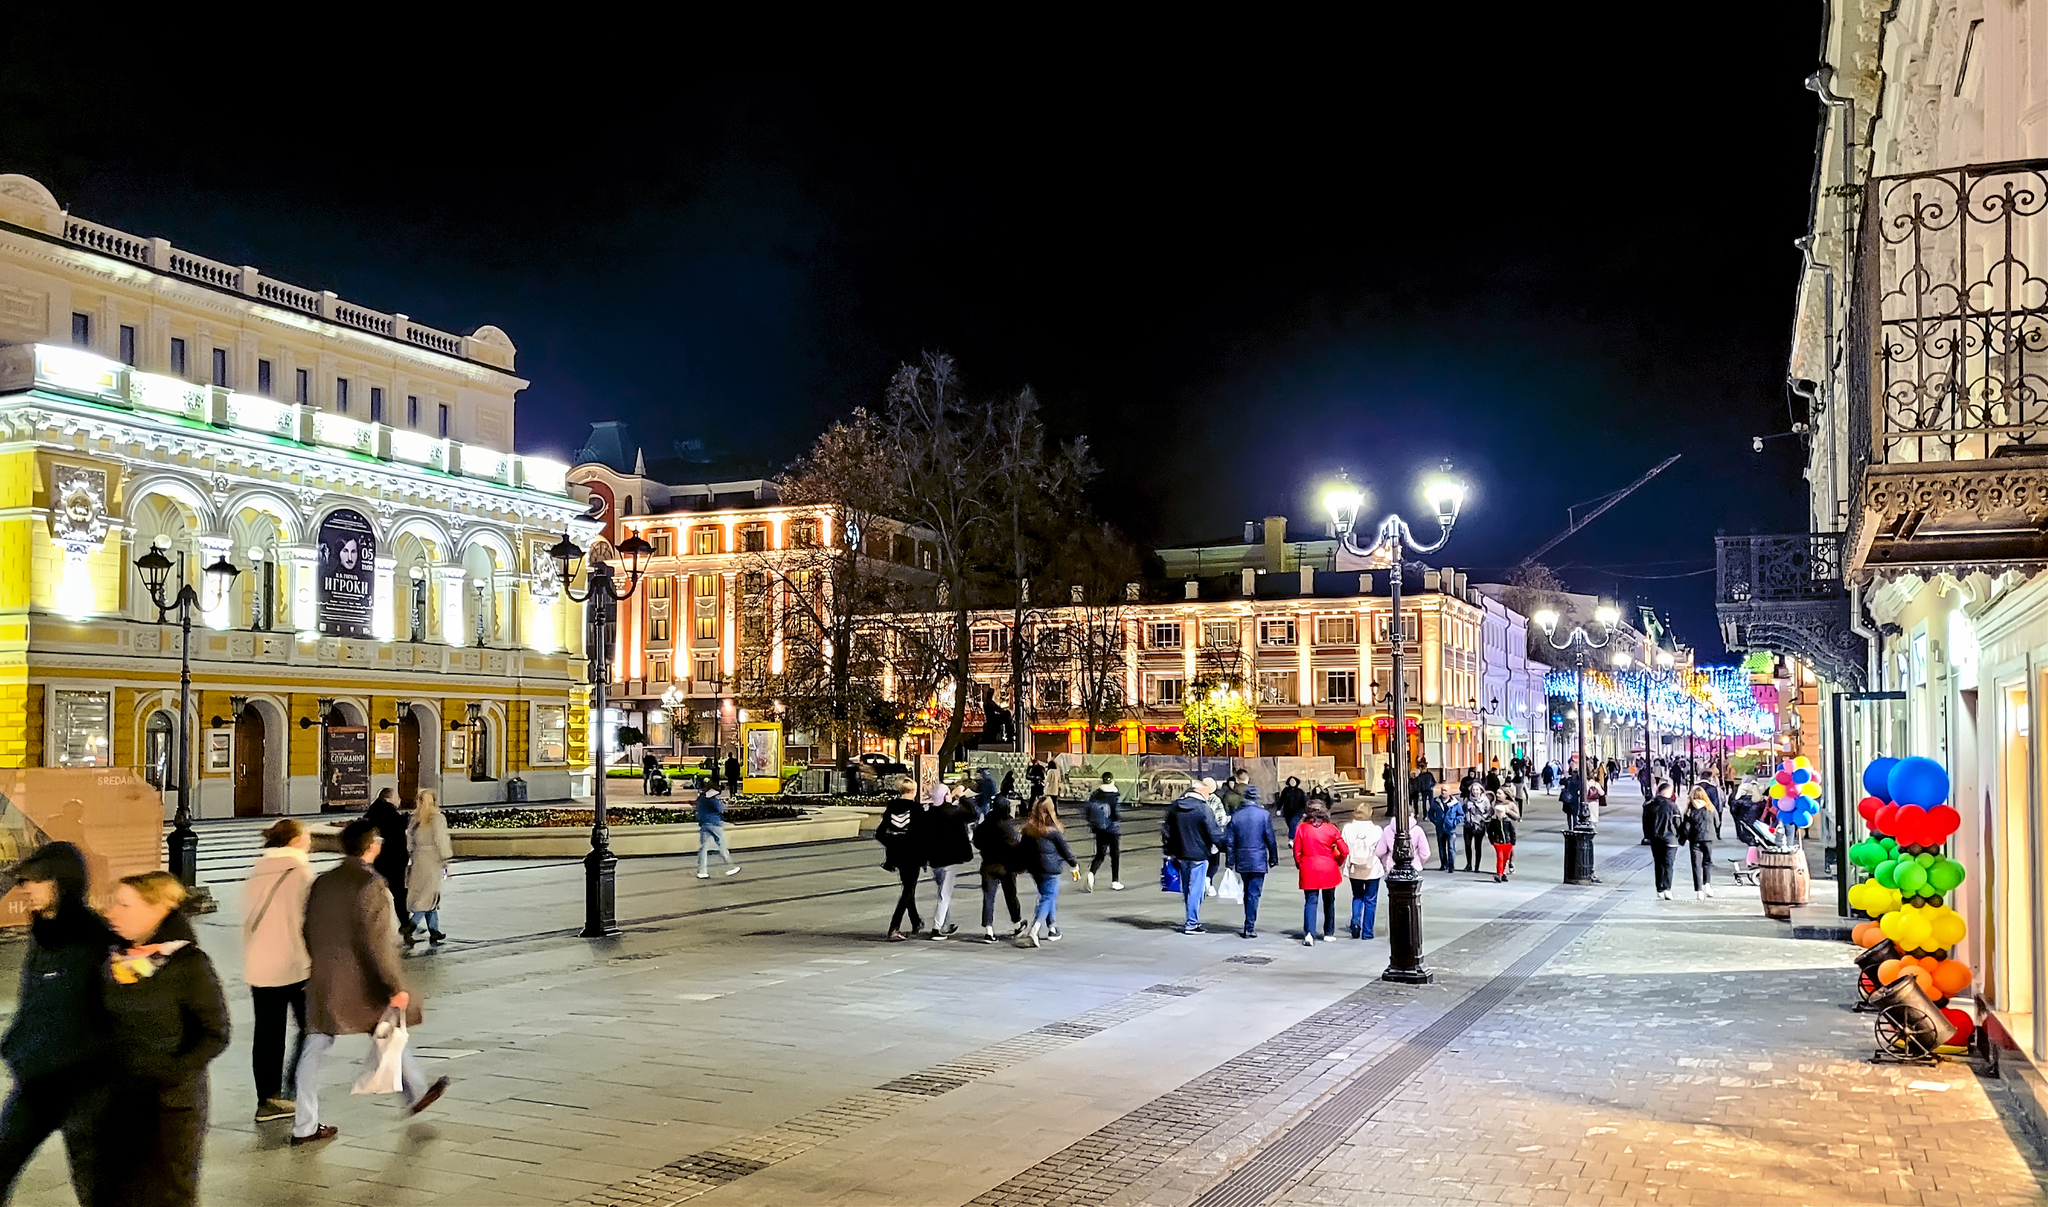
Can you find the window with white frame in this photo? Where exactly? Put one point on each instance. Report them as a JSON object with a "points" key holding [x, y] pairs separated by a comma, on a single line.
{"points": [[1278, 632], [1163, 635], [1052, 693], [1411, 626], [550, 733], [80, 735], [1340, 687], [1219, 634], [1166, 690], [990, 641], [1336, 630], [1277, 687]]}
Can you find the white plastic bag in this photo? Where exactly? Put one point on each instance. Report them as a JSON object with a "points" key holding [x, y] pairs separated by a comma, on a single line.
{"points": [[1230, 885], [382, 1071]]}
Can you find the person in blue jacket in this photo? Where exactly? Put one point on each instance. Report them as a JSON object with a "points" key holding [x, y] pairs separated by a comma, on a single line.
{"points": [[1248, 845], [1447, 814], [1189, 832]]}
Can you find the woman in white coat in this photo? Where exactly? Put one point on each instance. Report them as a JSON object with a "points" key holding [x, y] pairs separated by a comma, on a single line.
{"points": [[427, 839], [274, 960]]}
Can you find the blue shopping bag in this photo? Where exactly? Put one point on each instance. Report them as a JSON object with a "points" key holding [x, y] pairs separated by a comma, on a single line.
{"points": [[1169, 876]]}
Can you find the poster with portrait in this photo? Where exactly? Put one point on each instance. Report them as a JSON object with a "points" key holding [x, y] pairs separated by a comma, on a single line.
{"points": [[762, 743], [347, 574], [347, 782]]}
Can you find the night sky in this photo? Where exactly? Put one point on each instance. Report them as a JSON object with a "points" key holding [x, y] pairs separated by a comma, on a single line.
{"points": [[1555, 251]]}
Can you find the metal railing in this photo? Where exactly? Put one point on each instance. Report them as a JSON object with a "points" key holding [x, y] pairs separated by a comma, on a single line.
{"points": [[1779, 566]]}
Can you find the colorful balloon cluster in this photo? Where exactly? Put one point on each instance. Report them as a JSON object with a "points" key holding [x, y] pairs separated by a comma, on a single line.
{"points": [[1796, 792], [1910, 875]]}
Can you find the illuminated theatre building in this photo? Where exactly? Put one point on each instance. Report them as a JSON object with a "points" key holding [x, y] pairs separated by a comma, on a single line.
{"points": [[395, 620]]}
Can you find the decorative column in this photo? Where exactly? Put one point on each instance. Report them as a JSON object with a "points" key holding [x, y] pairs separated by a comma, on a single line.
{"points": [[454, 586], [505, 598], [383, 609], [222, 614], [305, 588]]}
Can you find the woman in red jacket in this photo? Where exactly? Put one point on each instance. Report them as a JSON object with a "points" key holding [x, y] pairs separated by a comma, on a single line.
{"points": [[1319, 854]]}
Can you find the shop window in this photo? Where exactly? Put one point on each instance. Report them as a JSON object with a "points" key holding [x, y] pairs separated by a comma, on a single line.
{"points": [[550, 733], [1164, 635], [1340, 687], [1277, 687], [79, 731]]}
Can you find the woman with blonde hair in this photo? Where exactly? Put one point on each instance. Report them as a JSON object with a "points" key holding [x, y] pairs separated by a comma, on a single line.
{"points": [[1047, 856], [1696, 829], [167, 1021], [275, 962], [426, 840]]}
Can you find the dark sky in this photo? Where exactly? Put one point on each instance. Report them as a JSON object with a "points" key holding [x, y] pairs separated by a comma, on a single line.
{"points": [[1556, 251]]}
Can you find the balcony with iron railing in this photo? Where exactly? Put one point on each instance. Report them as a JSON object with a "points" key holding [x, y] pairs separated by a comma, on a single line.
{"points": [[1785, 592], [1948, 369]]}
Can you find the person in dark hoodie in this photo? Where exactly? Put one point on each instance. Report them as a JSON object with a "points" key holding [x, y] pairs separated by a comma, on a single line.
{"points": [[167, 1022], [1293, 803], [902, 838], [1188, 834], [1660, 830], [947, 849], [383, 813], [1000, 839], [56, 1047], [1106, 822]]}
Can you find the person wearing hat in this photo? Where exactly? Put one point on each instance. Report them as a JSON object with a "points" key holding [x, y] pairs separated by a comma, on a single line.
{"points": [[57, 1044], [1248, 844]]}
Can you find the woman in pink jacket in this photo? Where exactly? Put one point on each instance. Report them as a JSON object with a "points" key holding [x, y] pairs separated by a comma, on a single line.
{"points": [[1319, 855]]}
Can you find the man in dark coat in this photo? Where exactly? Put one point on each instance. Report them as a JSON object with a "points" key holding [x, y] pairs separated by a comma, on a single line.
{"points": [[1188, 834], [383, 813], [353, 940], [56, 1046], [944, 833], [1251, 853], [732, 774], [1294, 802]]}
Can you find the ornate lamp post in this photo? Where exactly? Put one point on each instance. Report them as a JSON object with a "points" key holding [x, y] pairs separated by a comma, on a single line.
{"points": [[156, 572], [600, 600], [1579, 831], [1404, 883]]}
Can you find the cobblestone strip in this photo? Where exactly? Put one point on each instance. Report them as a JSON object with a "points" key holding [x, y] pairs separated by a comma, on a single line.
{"points": [[683, 1180], [1127, 1150]]}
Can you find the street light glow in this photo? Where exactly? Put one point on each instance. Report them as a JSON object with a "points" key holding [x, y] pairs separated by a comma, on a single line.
{"points": [[1546, 619], [1607, 616], [1343, 500], [1447, 495]]}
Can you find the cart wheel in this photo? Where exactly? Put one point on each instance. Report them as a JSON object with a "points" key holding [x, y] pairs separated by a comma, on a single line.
{"points": [[1894, 1034]]}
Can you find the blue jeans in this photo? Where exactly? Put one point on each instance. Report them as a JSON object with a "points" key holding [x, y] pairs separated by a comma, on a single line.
{"points": [[1365, 903], [306, 1120], [1254, 884], [1048, 899], [709, 839], [1194, 881], [432, 917], [1447, 855], [1328, 897]]}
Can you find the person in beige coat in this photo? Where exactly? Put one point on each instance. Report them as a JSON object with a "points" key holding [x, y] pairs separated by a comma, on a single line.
{"points": [[352, 936], [274, 960], [427, 837]]}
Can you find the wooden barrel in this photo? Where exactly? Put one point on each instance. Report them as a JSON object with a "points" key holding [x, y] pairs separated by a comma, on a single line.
{"points": [[1782, 877]]}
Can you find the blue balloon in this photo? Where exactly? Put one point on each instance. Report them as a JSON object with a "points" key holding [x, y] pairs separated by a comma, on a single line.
{"points": [[1800, 775], [1877, 778], [1918, 780]]}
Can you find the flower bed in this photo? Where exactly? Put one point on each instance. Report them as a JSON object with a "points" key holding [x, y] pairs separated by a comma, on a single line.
{"points": [[629, 815]]}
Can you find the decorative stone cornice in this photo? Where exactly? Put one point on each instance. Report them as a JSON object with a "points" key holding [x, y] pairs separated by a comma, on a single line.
{"points": [[1982, 489]]}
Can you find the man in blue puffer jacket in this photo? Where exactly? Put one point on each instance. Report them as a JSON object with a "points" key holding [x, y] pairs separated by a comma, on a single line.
{"points": [[1447, 814], [1249, 846], [1188, 834]]}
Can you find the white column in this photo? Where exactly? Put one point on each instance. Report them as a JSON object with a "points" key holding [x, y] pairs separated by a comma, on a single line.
{"points": [[305, 565], [454, 585], [218, 613], [505, 596], [383, 614]]}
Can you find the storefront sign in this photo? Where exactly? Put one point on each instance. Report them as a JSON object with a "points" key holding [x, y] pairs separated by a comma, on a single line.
{"points": [[347, 782], [348, 574]]}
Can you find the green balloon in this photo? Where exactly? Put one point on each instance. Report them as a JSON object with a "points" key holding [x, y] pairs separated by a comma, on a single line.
{"points": [[1911, 878], [1945, 876], [1925, 859], [1884, 873], [1891, 844]]}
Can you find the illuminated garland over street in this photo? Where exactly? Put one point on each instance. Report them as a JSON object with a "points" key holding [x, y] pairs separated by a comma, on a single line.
{"points": [[1719, 697]]}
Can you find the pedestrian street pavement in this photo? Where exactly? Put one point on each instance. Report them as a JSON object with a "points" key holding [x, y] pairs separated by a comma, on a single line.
{"points": [[754, 1040]]}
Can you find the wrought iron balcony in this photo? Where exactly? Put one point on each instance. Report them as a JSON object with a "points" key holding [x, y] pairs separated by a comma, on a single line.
{"points": [[1785, 592], [1949, 368]]}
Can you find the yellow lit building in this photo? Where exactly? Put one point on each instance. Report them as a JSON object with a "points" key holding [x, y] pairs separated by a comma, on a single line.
{"points": [[395, 621]]}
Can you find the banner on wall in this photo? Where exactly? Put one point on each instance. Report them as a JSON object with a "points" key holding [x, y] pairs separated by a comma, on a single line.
{"points": [[347, 782], [348, 575], [112, 815]]}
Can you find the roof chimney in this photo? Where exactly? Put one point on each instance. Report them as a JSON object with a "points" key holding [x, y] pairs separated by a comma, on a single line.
{"points": [[1308, 580], [1276, 543], [1251, 535], [1251, 580], [1194, 589]]}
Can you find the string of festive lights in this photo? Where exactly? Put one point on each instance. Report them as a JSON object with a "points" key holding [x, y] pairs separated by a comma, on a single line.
{"points": [[1707, 698]]}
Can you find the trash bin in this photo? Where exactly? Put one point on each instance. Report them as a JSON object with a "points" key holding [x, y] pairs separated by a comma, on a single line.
{"points": [[515, 789]]}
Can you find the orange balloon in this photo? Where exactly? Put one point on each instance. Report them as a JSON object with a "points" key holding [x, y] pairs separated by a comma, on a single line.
{"points": [[1953, 976], [1868, 934], [1927, 985], [1890, 971]]}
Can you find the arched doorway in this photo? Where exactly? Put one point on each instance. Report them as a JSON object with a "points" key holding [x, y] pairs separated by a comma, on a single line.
{"points": [[158, 737], [251, 774], [409, 757], [480, 750]]}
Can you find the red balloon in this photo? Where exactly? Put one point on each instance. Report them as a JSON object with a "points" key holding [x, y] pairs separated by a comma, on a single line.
{"points": [[1885, 822], [1867, 808], [1909, 825], [1943, 820], [1964, 1024]]}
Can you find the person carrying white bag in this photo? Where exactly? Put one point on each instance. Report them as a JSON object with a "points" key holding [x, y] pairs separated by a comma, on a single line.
{"points": [[356, 986]]}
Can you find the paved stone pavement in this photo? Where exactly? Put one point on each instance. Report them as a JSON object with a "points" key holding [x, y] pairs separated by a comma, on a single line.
{"points": [[752, 1040]]}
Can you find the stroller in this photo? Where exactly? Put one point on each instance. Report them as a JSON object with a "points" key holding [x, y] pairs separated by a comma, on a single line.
{"points": [[1760, 838]]}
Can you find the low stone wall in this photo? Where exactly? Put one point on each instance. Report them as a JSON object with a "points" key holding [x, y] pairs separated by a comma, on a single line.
{"points": [[569, 842]]}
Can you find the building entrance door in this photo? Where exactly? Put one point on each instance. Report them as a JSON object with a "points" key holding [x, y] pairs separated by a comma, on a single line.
{"points": [[409, 757], [249, 766]]}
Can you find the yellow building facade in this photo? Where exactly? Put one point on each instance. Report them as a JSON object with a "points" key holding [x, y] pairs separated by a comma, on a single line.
{"points": [[395, 620]]}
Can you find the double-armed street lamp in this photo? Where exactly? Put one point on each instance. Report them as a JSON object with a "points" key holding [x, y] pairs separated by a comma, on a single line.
{"points": [[600, 600], [1404, 883], [1578, 828], [219, 577]]}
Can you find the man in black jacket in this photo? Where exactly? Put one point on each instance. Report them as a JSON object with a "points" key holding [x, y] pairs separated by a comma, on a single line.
{"points": [[1294, 802], [1189, 833], [56, 1047], [943, 831]]}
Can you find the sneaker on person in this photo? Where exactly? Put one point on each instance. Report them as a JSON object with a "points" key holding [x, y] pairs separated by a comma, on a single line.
{"points": [[1707, 891], [1091, 882], [732, 871], [1052, 934], [988, 935], [1117, 885], [272, 1109], [703, 875], [1308, 940], [937, 935]]}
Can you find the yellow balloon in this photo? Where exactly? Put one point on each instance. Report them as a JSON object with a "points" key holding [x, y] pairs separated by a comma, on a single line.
{"points": [[1810, 788], [1802, 764]]}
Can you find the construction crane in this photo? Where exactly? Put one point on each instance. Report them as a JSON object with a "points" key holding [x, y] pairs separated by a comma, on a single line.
{"points": [[1601, 507]]}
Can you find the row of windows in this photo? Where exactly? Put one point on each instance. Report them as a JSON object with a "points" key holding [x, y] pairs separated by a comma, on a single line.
{"points": [[706, 670], [266, 376], [1276, 631]]}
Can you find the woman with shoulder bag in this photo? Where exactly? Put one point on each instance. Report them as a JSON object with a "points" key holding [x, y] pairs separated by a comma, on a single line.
{"points": [[1365, 871], [275, 961], [1500, 830], [426, 840], [1477, 810], [1319, 855]]}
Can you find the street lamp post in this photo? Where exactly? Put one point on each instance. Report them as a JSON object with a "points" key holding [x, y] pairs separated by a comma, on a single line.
{"points": [[1579, 830], [156, 571], [1404, 882], [600, 600]]}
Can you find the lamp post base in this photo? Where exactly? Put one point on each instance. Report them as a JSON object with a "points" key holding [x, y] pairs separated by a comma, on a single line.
{"points": [[1404, 904], [1578, 856], [600, 893], [182, 852]]}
